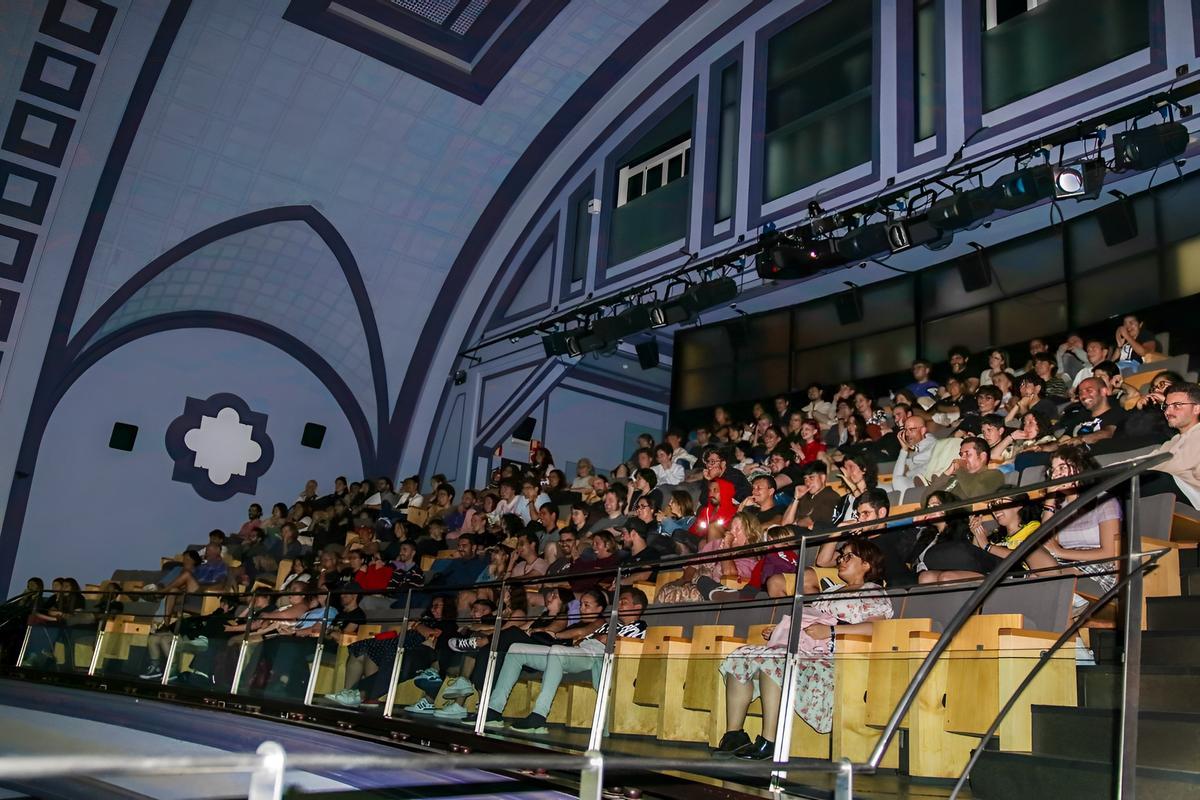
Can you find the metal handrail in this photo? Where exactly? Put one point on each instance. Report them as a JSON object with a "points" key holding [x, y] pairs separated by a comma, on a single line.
{"points": [[1148, 559], [268, 765], [989, 583]]}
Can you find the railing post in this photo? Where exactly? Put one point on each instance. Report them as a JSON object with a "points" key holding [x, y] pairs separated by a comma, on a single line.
{"points": [[791, 669], [244, 647], [843, 788], [101, 625], [166, 676], [398, 661], [266, 782], [600, 714], [591, 776], [24, 644], [1131, 674], [319, 651], [489, 675]]}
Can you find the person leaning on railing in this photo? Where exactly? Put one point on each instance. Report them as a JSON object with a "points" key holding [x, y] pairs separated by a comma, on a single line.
{"points": [[754, 670]]}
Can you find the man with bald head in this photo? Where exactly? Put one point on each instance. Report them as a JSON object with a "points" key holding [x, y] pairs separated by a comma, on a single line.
{"points": [[921, 455]]}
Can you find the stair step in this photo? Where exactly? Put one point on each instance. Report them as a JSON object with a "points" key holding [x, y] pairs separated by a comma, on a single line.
{"points": [[1173, 613], [1166, 740], [1189, 582], [1003, 776], [1163, 688], [1159, 647]]}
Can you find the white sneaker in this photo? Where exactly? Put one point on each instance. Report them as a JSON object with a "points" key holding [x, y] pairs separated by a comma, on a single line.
{"points": [[422, 706], [451, 711], [459, 687], [346, 697], [429, 674]]}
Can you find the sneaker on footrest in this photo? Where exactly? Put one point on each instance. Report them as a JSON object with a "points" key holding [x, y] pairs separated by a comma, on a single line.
{"points": [[422, 706], [152, 671], [494, 719], [464, 644], [534, 723], [459, 687], [450, 711]]}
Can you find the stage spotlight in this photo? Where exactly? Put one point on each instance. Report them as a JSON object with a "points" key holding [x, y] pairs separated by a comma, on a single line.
{"points": [[864, 242], [671, 312], [961, 209], [709, 294], [798, 260], [1082, 181], [567, 343], [1146, 148], [1024, 187]]}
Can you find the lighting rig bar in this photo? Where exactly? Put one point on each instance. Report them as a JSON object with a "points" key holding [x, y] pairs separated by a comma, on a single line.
{"points": [[811, 247]]}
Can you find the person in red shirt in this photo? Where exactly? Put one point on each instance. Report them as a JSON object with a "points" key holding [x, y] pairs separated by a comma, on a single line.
{"points": [[371, 574]]}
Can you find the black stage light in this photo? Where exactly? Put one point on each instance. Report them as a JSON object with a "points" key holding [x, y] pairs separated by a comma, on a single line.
{"points": [[1024, 187], [865, 241], [1146, 148], [1118, 220], [798, 260], [961, 209], [709, 294], [669, 312], [555, 344], [1083, 180]]}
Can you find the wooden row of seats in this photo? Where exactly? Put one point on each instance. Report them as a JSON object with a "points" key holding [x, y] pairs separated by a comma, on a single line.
{"points": [[668, 687]]}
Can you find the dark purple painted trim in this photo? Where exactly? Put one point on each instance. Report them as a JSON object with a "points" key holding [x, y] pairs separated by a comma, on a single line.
{"points": [[464, 47], [530, 365], [608, 397], [755, 216], [603, 78], [459, 407], [547, 239], [973, 74], [608, 182], [255, 219], [492, 429], [712, 139], [636, 391], [1196, 26], [55, 362], [234, 323], [906, 85], [186, 471], [474, 85], [585, 189]]}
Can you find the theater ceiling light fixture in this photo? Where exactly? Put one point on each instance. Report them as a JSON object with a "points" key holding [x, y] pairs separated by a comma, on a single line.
{"points": [[1147, 148]]}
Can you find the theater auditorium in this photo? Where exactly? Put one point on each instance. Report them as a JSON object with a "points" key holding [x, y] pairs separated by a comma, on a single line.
{"points": [[600, 399]]}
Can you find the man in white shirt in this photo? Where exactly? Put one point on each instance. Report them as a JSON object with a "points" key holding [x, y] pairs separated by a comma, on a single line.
{"points": [[1181, 474], [922, 456], [667, 470], [1096, 351]]}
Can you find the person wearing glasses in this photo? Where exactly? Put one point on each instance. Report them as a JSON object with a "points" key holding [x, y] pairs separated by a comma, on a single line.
{"points": [[1092, 537], [756, 670], [1180, 475]]}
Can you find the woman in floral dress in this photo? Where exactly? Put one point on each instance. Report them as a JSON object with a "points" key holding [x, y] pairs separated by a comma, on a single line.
{"points": [[851, 607]]}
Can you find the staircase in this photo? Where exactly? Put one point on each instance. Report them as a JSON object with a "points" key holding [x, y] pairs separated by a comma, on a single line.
{"points": [[1074, 749]]}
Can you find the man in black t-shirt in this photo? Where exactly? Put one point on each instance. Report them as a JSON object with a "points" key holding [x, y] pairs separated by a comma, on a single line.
{"points": [[638, 553], [761, 502], [1103, 420]]}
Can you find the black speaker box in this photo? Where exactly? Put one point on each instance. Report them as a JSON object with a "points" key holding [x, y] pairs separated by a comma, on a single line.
{"points": [[647, 353], [849, 306], [524, 431], [1118, 222], [975, 271]]}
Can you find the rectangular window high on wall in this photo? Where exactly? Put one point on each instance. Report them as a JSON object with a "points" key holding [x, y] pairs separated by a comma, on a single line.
{"points": [[652, 187], [925, 67], [727, 142], [818, 97], [1031, 45]]}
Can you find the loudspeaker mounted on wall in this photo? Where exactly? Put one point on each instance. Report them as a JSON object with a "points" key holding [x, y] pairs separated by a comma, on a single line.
{"points": [[313, 436], [975, 270], [1118, 221], [647, 353], [849, 305], [123, 436], [524, 431]]}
